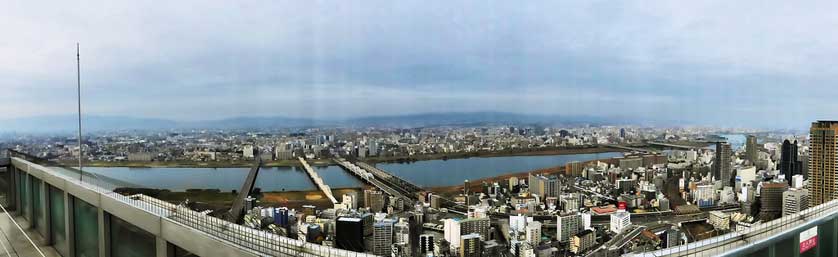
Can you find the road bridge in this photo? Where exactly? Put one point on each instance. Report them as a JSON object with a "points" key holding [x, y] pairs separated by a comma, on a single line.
{"points": [[687, 147], [368, 177], [389, 178], [631, 148], [318, 181]]}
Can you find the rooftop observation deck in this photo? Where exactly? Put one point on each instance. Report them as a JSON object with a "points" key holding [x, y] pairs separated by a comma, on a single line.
{"points": [[75, 215]]}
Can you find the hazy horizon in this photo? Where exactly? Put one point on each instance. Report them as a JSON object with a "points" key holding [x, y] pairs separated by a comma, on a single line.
{"points": [[743, 64]]}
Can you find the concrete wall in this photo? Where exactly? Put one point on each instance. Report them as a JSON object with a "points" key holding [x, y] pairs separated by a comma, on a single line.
{"points": [[166, 231]]}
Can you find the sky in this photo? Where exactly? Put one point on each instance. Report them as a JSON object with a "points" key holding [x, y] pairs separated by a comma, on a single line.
{"points": [[727, 63]]}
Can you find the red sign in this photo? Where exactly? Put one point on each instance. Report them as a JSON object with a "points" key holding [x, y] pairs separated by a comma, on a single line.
{"points": [[621, 205], [808, 239]]}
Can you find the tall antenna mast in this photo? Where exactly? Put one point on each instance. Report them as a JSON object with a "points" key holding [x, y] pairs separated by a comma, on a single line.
{"points": [[78, 91]]}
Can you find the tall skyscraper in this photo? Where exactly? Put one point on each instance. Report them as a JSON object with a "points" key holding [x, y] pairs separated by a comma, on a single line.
{"points": [[790, 165], [722, 167], [751, 149], [823, 182]]}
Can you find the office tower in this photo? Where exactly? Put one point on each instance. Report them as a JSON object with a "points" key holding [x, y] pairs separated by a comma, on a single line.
{"points": [[349, 234], [426, 244], [790, 165], [751, 149], [622, 133], [771, 198], [382, 237], [795, 200], [534, 233], [375, 200], [567, 226], [823, 151], [722, 166], [470, 245]]}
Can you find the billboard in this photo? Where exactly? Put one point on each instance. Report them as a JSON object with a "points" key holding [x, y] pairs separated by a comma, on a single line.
{"points": [[808, 239]]}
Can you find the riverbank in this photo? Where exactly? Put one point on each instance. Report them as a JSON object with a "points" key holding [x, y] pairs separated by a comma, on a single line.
{"points": [[218, 200], [324, 162], [477, 184]]}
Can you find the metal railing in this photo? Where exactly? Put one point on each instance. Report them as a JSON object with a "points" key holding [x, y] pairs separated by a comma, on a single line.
{"points": [[258, 241], [756, 237]]}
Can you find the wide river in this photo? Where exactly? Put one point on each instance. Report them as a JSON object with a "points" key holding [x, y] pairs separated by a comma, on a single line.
{"points": [[423, 173]]}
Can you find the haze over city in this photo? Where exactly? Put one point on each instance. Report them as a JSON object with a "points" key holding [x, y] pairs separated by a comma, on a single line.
{"points": [[418, 129], [748, 63]]}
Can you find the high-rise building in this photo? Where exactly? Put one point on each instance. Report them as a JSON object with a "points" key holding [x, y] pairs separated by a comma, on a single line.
{"points": [[480, 226], [795, 200], [454, 229], [823, 169], [470, 245], [771, 198], [553, 188], [382, 237], [426, 244], [375, 200], [534, 233], [452, 232], [722, 167], [751, 149], [537, 184], [567, 226], [790, 165], [401, 235], [349, 234]]}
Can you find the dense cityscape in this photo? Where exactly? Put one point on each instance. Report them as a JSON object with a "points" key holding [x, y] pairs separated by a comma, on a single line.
{"points": [[418, 128], [667, 187]]}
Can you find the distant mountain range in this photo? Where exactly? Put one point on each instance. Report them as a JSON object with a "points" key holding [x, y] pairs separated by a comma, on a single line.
{"points": [[68, 123]]}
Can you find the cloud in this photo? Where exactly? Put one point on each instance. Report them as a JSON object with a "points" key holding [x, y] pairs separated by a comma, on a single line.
{"points": [[710, 61]]}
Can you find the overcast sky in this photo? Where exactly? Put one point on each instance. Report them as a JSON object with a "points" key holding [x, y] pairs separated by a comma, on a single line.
{"points": [[737, 63]]}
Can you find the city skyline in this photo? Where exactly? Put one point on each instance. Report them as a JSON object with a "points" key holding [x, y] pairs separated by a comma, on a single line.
{"points": [[701, 63]]}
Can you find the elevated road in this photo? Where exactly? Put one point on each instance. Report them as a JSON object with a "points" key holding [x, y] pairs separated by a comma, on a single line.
{"points": [[318, 181]]}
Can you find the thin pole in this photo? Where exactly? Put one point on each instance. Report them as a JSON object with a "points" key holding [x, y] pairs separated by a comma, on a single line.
{"points": [[78, 94]]}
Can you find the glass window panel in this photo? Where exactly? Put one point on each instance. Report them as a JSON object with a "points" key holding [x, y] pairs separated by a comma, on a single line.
{"points": [[26, 200], [57, 223], [39, 220], [128, 240], [86, 221]]}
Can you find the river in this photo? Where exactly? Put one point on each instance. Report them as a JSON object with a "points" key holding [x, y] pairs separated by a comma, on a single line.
{"points": [[423, 173]]}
